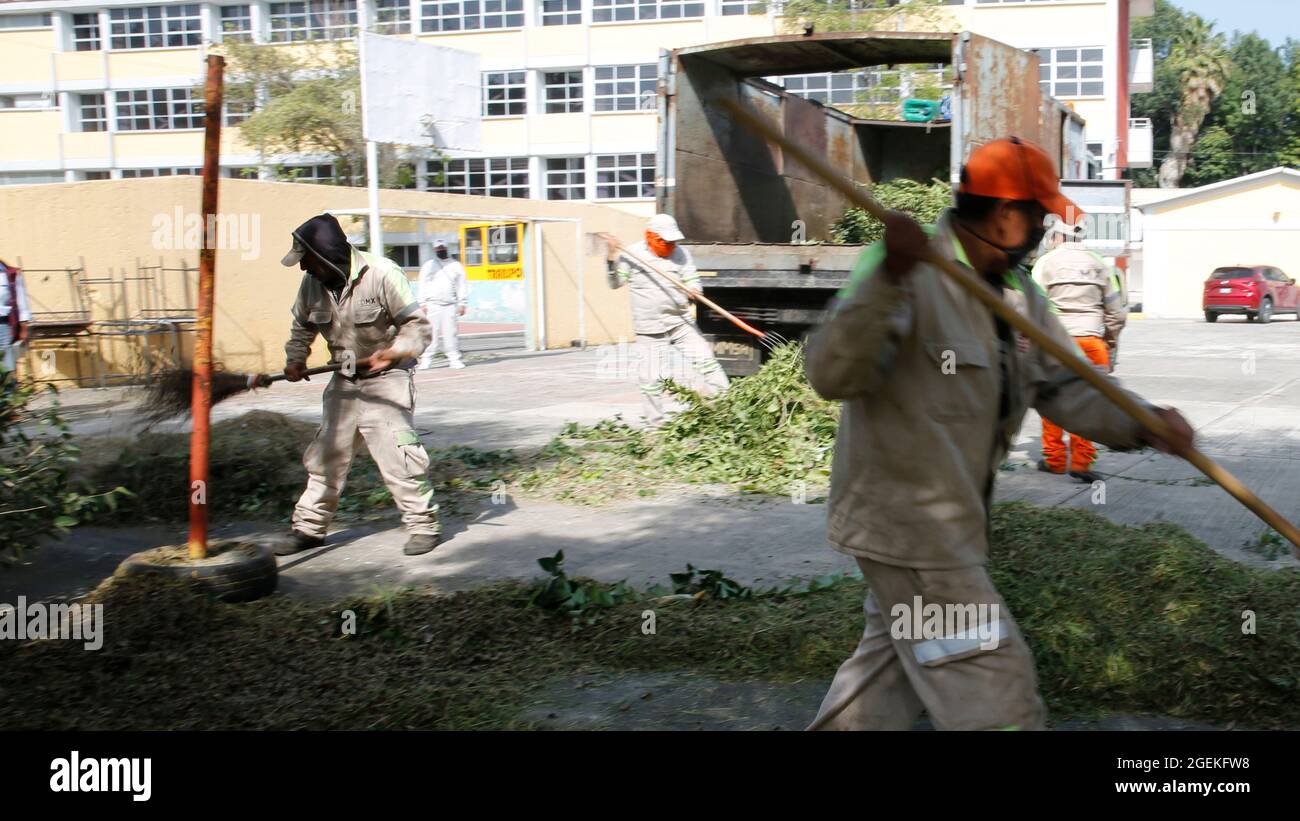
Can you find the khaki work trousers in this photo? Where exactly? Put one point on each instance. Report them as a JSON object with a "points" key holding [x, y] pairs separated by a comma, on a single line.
{"points": [[658, 363], [380, 410], [958, 681]]}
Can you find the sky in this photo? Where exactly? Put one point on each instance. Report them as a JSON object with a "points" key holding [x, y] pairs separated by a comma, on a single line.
{"points": [[1275, 20]]}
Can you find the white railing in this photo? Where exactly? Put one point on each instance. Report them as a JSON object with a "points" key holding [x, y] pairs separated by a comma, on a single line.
{"points": [[1141, 66], [1140, 143]]}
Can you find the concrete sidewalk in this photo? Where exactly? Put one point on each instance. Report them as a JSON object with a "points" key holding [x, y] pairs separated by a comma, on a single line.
{"points": [[1239, 384]]}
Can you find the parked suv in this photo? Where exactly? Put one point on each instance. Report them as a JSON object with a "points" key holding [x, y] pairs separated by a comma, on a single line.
{"points": [[1258, 291]]}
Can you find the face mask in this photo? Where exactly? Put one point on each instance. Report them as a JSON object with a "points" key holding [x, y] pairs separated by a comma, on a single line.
{"points": [[1017, 255], [661, 247], [442, 253]]}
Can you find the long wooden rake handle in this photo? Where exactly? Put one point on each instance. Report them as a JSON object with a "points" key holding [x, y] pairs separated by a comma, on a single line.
{"points": [[1069, 358], [261, 380], [735, 320]]}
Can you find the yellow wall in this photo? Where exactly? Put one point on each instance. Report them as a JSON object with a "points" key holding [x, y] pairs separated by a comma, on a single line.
{"points": [[155, 145], [120, 224], [155, 62], [25, 56], [32, 134], [80, 65]]}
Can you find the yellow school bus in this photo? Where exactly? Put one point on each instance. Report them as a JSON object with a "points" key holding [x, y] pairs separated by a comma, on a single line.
{"points": [[492, 250]]}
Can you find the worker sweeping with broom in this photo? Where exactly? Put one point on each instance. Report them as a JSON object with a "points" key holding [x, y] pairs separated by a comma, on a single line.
{"points": [[363, 306], [934, 387], [660, 309]]}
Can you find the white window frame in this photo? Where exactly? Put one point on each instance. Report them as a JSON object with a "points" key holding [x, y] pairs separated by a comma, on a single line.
{"points": [[568, 181], [169, 98], [444, 16], [645, 97], [512, 80], [1077, 65], [481, 176], [244, 35], [398, 12], [154, 27], [637, 164], [641, 11], [94, 42], [575, 99], [734, 8], [315, 19], [561, 13], [83, 105], [139, 173]]}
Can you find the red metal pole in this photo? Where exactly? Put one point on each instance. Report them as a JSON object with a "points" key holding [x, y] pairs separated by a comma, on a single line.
{"points": [[202, 397]]}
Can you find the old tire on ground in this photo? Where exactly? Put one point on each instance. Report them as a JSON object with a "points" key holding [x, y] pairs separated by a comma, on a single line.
{"points": [[234, 571]]}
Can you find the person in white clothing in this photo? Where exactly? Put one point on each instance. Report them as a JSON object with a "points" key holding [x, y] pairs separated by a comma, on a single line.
{"points": [[444, 292], [15, 313]]}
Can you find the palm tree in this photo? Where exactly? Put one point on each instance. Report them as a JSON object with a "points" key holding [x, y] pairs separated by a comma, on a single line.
{"points": [[1203, 63]]}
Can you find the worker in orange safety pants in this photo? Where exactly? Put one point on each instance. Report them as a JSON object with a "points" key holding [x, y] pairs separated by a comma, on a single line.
{"points": [[1088, 300]]}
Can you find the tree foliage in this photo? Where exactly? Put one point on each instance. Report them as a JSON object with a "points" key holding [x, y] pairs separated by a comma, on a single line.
{"points": [[307, 100], [1220, 108]]}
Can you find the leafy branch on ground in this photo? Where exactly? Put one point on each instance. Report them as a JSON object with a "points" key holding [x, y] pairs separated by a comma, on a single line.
{"points": [[39, 497]]}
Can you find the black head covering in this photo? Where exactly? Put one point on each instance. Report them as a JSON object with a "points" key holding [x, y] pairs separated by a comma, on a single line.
{"points": [[323, 236]]}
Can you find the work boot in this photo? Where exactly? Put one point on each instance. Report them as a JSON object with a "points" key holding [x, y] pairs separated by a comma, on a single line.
{"points": [[1085, 476], [1046, 468], [420, 543], [295, 542]]}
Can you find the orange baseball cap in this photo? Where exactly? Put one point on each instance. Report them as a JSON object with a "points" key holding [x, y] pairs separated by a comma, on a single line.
{"points": [[1013, 169]]}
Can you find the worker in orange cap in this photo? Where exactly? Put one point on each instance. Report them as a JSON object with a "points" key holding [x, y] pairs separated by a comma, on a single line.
{"points": [[934, 389]]}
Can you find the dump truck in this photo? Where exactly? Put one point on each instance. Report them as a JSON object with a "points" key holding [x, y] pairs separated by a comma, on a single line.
{"points": [[757, 221]]}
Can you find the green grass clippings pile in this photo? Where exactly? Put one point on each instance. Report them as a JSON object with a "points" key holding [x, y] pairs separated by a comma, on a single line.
{"points": [[766, 434], [255, 471], [1138, 620]]}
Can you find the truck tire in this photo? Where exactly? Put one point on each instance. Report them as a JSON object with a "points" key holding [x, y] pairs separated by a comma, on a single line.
{"points": [[1211, 316], [1265, 311], [234, 571]]}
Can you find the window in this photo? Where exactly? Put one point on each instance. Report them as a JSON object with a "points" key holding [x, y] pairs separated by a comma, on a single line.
{"points": [[407, 256], [158, 109], [393, 16], [606, 11], [85, 32], [626, 88], [566, 178], [132, 173], [155, 26], [1071, 72], [625, 176], [561, 12], [313, 20], [495, 177], [92, 113], [237, 111], [743, 7], [563, 91], [471, 15], [239, 173], [39, 99], [237, 24], [320, 173], [25, 21], [505, 93], [96, 175]]}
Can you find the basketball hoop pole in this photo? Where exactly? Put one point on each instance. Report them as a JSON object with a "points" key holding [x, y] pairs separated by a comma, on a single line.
{"points": [[372, 159]]}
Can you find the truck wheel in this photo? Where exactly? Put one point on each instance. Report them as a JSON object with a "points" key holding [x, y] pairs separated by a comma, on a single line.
{"points": [[1211, 316], [1265, 311], [1250, 316], [234, 571]]}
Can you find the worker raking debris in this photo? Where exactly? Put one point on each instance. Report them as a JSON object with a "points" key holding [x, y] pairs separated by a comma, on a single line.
{"points": [[362, 304], [660, 313], [934, 388]]}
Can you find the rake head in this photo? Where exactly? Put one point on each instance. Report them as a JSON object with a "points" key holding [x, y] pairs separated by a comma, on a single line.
{"points": [[771, 340]]}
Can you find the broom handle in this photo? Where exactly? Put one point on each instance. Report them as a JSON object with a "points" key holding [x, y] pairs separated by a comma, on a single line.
{"points": [[1069, 358], [735, 320], [266, 379]]}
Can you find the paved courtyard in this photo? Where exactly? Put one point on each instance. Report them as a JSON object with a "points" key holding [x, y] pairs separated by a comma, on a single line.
{"points": [[1238, 383]]}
